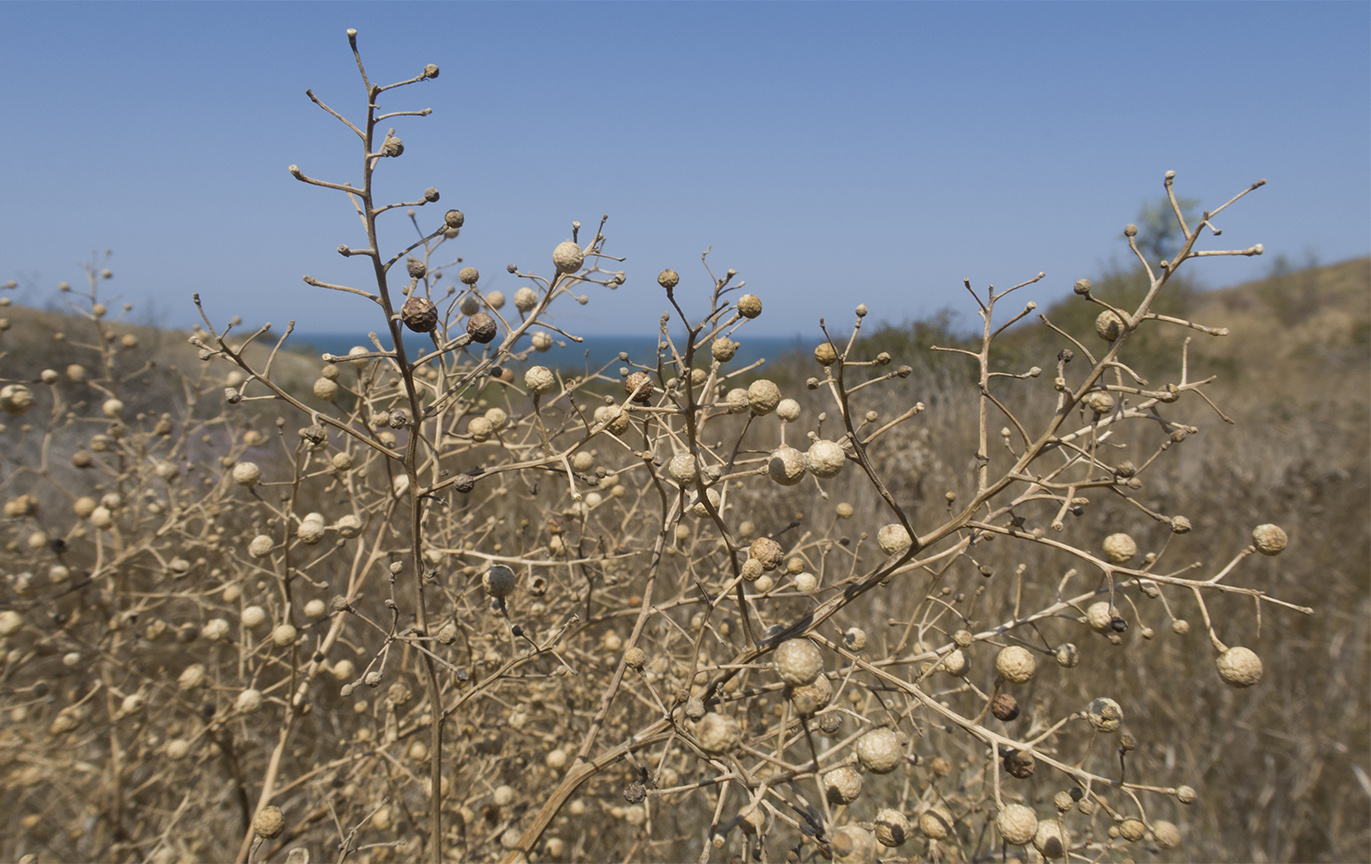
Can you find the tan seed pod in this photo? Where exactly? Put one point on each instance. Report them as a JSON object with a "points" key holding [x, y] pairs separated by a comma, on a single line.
{"points": [[268, 823], [261, 546], [955, 663], [806, 582], [763, 396], [750, 306], [215, 629], [668, 279], [539, 380], [1016, 664], [16, 399], [766, 552], [682, 468], [112, 408], [1132, 830], [1017, 824], [1108, 326], [419, 314], [723, 349], [253, 617], [718, 733], [525, 299], [469, 305], [853, 844], [786, 466], [349, 526], [310, 532], [1020, 763], [635, 658], [813, 697], [246, 474], [892, 827], [825, 459], [1119, 548], [826, 354], [1104, 714], [316, 609], [1269, 539], [567, 257], [191, 677], [936, 822], [1100, 615], [1099, 402], [1166, 834], [10, 622], [893, 538], [1050, 839], [1005, 707], [248, 702], [842, 785], [639, 387], [479, 429], [178, 749], [1068, 655], [1240, 667], [101, 517], [798, 661], [879, 751], [283, 635], [325, 389]]}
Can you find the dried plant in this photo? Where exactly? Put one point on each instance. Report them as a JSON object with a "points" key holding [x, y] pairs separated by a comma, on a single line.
{"points": [[431, 607]]}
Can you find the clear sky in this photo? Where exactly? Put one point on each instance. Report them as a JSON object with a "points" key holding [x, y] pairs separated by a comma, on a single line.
{"points": [[830, 153]]}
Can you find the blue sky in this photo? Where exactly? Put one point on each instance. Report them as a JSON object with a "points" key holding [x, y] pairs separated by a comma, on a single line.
{"points": [[830, 153]]}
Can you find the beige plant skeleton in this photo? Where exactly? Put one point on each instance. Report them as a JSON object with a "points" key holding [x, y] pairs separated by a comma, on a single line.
{"points": [[487, 536]]}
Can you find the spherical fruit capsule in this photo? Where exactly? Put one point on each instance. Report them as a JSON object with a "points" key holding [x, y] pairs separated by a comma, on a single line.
{"points": [[246, 474], [786, 466], [842, 785], [1167, 835], [248, 702], [806, 582], [639, 388], [955, 663], [525, 299], [469, 305], [893, 539], [1104, 714], [723, 349], [16, 399], [1119, 548], [10, 622], [766, 552], [668, 279], [1016, 664], [499, 581], [283, 635], [798, 661], [178, 748], [567, 257], [811, 698], [825, 459], [191, 677], [469, 275], [1099, 402], [1132, 830], [892, 827], [936, 822], [1068, 655], [495, 300], [826, 354], [261, 546], [555, 759], [1017, 824], [718, 733], [112, 408], [749, 305], [635, 658], [539, 380], [1108, 326], [1269, 539], [310, 532], [1240, 667], [541, 340], [419, 314], [1100, 616], [481, 328], [268, 823], [316, 609], [1050, 839], [1005, 707], [763, 396], [253, 617], [879, 751], [682, 468]]}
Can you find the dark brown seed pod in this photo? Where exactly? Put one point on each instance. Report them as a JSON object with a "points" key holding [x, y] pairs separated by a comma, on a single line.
{"points": [[419, 314], [1005, 707], [481, 327], [1019, 763]]}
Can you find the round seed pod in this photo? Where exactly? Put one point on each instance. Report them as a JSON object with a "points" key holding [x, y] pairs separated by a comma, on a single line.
{"points": [[1016, 664], [879, 751], [763, 396], [1240, 667], [723, 349], [736, 400], [682, 468], [825, 459], [1166, 834], [567, 257], [539, 380], [479, 429], [1068, 655], [699, 510], [268, 823], [499, 581], [310, 532], [936, 822], [1108, 326], [806, 582], [83, 507], [749, 305], [786, 466], [469, 305], [525, 299], [541, 340], [1104, 714], [469, 275], [1017, 824], [191, 677], [853, 844], [842, 785], [246, 474], [1132, 830], [1099, 401], [718, 733], [788, 410], [261, 546], [813, 697], [1269, 539], [1020, 763], [1005, 707], [635, 657], [826, 354], [893, 538], [253, 617], [101, 517], [454, 219], [1119, 548], [495, 300], [1100, 616], [416, 268], [112, 408], [419, 314], [10, 622], [766, 552], [215, 629], [892, 827], [248, 702], [639, 387], [1050, 839], [798, 661], [16, 399], [955, 663], [178, 749], [316, 609], [668, 279], [283, 635], [481, 328]]}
